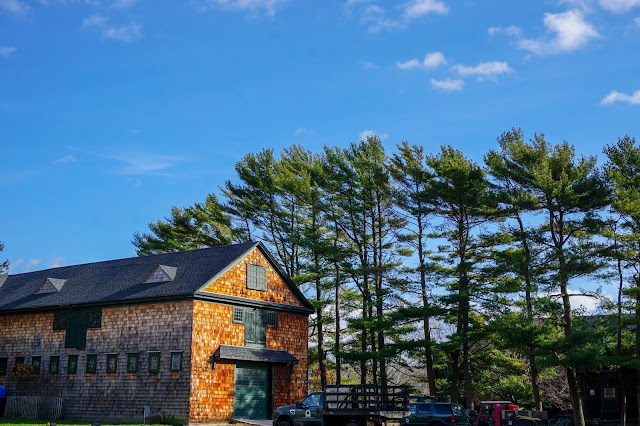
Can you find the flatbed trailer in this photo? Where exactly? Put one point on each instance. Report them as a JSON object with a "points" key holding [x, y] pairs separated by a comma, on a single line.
{"points": [[363, 405]]}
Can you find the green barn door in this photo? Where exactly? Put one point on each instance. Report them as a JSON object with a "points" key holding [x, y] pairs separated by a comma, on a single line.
{"points": [[251, 391]]}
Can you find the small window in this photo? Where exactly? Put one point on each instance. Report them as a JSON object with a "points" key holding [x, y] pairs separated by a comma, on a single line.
{"points": [[256, 277], [36, 362], [112, 363], [154, 362], [272, 319], [132, 363], [3, 366], [72, 364], [54, 364], [95, 318], [19, 360], [238, 315], [92, 364], [60, 321], [176, 361], [609, 393]]}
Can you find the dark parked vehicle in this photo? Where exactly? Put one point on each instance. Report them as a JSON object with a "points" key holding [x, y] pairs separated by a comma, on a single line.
{"points": [[351, 405], [433, 414]]}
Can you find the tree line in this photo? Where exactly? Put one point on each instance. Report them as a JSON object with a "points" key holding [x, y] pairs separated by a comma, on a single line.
{"points": [[434, 267]]}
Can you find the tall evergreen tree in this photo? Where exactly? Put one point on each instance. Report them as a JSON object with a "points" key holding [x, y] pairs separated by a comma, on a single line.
{"points": [[413, 198], [623, 172], [461, 198], [571, 192]]}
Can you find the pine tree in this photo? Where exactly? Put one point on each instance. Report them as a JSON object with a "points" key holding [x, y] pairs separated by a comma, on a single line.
{"points": [[198, 226], [571, 192], [461, 198]]}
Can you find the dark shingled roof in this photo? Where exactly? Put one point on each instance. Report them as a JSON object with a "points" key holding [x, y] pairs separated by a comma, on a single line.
{"points": [[244, 353], [122, 280]]}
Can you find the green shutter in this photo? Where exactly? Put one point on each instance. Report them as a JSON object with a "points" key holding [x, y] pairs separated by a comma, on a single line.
{"points": [[256, 277]]}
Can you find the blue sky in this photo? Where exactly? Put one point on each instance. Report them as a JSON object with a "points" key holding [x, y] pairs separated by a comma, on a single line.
{"points": [[112, 111]]}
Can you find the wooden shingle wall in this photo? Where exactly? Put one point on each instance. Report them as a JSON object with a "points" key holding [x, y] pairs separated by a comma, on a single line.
{"points": [[212, 389], [163, 327], [233, 282]]}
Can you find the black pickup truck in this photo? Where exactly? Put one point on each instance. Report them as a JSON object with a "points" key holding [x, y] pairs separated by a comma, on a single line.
{"points": [[353, 405]]}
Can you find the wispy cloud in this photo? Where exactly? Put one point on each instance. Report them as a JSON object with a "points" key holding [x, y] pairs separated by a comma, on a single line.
{"points": [[511, 30], [415, 9], [6, 51], [14, 7], [125, 33], [614, 96], [637, 21], [367, 132], [430, 61], [67, 159], [368, 65], [377, 18], [94, 21], [31, 264], [485, 70], [569, 31], [56, 262], [136, 164], [619, 6], [268, 7], [302, 131], [447, 85]]}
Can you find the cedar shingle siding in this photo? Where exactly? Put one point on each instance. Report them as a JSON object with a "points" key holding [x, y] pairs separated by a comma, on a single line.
{"points": [[105, 312]]}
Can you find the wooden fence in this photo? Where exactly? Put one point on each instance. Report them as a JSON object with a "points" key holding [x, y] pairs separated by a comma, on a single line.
{"points": [[34, 407]]}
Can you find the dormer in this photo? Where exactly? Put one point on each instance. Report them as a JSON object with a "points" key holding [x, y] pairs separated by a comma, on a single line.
{"points": [[162, 274], [51, 285]]}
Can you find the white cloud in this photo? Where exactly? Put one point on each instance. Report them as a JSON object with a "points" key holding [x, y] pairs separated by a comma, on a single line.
{"points": [[127, 33], [144, 164], [31, 264], [430, 61], [619, 6], [447, 85], [511, 31], [94, 21], [302, 131], [65, 160], [570, 32], [56, 262], [613, 97], [266, 6], [414, 9], [6, 51], [14, 7], [367, 132], [637, 21], [483, 70]]}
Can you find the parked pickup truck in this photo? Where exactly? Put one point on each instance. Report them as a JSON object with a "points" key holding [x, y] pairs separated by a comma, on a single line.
{"points": [[352, 405], [433, 414]]}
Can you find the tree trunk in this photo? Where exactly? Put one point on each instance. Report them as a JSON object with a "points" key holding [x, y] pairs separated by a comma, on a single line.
{"points": [[572, 381], [426, 320], [337, 340]]}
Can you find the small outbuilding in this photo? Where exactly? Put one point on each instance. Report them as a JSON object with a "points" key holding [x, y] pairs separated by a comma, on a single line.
{"points": [[203, 335]]}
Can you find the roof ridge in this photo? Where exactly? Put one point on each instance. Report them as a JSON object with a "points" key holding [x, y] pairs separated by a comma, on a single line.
{"points": [[254, 242]]}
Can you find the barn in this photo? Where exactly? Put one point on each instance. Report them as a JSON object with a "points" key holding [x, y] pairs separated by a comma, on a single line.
{"points": [[203, 335]]}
